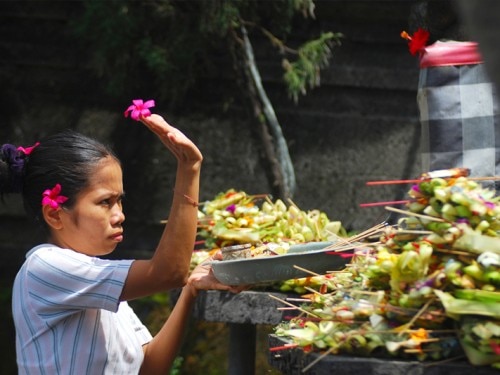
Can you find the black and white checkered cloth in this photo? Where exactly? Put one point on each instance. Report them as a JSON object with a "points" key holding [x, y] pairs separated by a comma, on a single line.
{"points": [[460, 119]]}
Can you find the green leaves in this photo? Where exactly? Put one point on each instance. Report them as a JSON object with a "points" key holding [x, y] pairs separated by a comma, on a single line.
{"points": [[304, 73], [132, 44]]}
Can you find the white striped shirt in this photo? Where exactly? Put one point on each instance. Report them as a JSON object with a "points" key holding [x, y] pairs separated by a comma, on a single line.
{"points": [[68, 316]]}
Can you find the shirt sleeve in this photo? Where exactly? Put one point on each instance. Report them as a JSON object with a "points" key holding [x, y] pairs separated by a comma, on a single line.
{"points": [[62, 279]]}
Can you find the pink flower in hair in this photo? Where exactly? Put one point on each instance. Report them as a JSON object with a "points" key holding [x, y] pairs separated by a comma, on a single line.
{"points": [[52, 197], [27, 150], [139, 108]]}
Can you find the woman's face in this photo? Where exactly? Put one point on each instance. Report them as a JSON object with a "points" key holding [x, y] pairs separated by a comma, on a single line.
{"points": [[93, 226]]}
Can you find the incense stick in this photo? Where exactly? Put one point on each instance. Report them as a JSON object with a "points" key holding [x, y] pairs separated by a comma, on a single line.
{"points": [[351, 247], [409, 213], [286, 308], [306, 270], [298, 299], [417, 315], [455, 252], [393, 182], [283, 347], [367, 233], [413, 181], [323, 355], [410, 231], [291, 304], [375, 204], [444, 361]]}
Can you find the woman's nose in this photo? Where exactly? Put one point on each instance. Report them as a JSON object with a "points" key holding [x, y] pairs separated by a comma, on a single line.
{"points": [[118, 216]]}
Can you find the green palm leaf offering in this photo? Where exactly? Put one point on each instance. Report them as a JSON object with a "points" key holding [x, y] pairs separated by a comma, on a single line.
{"points": [[426, 288]]}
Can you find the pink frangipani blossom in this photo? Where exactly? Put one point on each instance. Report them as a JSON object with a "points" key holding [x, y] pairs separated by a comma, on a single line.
{"points": [[52, 197], [139, 108]]}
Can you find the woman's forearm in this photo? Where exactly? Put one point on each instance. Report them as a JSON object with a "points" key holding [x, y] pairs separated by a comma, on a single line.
{"points": [[177, 241]]}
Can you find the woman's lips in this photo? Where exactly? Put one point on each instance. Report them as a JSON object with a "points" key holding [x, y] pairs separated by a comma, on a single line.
{"points": [[118, 237]]}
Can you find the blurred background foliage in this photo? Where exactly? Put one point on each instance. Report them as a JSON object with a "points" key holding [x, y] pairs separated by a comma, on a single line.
{"points": [[166, 47]]}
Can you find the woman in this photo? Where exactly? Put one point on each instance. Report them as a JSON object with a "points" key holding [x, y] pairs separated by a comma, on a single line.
{"points": [[69, 306]]}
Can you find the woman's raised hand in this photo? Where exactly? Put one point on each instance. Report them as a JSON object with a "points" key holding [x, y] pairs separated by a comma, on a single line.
{"points": [[180, 145]]}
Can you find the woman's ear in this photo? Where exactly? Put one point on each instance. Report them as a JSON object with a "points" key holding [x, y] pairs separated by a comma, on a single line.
{"points": [[52, 216]]}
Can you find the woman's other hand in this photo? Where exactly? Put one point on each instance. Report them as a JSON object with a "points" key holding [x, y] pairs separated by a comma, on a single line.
{"points": [[203, 278]]}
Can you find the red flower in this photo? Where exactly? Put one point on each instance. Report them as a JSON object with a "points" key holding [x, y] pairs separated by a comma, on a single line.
{"points": [[495, 347], [417, 41]]}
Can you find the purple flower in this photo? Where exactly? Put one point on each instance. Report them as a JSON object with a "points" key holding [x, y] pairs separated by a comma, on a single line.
{"points": [[489, 205], [415, 188]]}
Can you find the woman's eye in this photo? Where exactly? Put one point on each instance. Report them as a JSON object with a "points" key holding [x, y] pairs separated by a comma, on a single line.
{"points": [[106, 202]]}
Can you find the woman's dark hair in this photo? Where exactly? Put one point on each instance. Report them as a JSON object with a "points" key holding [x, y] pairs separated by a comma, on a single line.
{"points": [[67, 158]]}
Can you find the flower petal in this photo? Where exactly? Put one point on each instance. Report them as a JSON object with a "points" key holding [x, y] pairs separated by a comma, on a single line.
{"points": [[135, 114], [61, 199], [56, 190], [129, 109], [146, 112]]}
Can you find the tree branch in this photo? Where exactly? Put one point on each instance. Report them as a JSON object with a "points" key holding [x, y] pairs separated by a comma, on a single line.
{"points": [[284, 161]]}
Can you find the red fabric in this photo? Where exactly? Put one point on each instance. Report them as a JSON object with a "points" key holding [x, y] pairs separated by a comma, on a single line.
{"points": [[450, 53]]}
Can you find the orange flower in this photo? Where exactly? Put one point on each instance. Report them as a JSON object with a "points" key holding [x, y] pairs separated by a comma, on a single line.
{"points": [[420, 335]]}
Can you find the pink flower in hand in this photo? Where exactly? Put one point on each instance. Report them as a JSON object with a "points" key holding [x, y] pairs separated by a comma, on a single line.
{"points": [[139, 108], [52, 198], [27, 150]]}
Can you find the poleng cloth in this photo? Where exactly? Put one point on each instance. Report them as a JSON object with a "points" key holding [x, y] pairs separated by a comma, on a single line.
{"points": [[459, 111]]}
